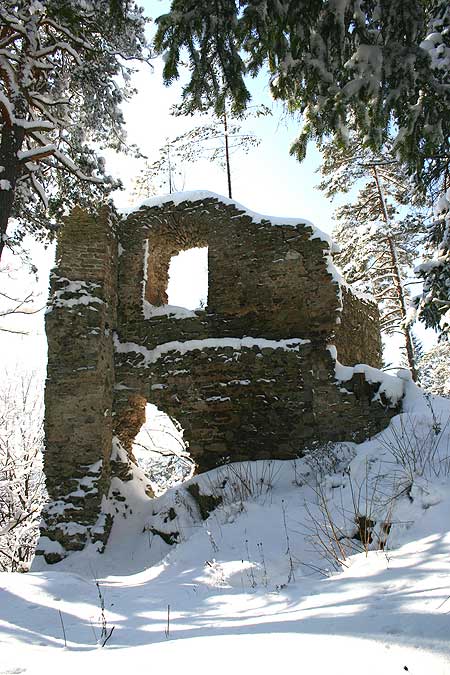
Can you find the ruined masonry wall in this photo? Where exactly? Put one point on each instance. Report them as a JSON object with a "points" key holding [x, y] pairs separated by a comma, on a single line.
{"points": [[267, 282], [250, 401], [357, 335], [250, 376], [80, 381]]}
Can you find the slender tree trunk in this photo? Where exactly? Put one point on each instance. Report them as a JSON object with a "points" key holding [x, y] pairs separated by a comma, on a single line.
{"points": [[396, 274], [11, 141], [169, 169], [227, 152]]}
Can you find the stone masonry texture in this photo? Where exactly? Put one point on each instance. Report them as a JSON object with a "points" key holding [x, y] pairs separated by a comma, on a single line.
{"points": [[249, 376]]}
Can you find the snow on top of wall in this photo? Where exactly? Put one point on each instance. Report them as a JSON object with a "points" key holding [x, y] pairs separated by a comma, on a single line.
{"points": [[152, 355], [173, 311], [199, 195], [338, 278], [392, 386], [79, 289], [51, 546]]}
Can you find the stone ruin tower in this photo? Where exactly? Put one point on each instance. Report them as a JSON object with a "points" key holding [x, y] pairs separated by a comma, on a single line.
{"points": [[250, 376]]}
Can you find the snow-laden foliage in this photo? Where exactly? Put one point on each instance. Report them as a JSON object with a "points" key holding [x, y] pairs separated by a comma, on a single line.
{"points": [[373, 68], [64, 71], [379, 232], [22, 488], [434, 304], [215, 139], [342, 64], [434, 369]]}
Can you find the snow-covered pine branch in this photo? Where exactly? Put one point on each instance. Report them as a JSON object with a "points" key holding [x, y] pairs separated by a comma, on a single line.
{"points": [[64, 72], [378, 244], [22, 487], [343, 67]]}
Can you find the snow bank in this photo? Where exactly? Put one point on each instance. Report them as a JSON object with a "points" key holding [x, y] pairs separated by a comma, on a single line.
{"points": [[251, 588], [393, 387]]}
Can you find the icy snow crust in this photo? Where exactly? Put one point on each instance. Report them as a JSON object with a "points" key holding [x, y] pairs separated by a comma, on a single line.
{"points": [[249, 589], [173, 311]]}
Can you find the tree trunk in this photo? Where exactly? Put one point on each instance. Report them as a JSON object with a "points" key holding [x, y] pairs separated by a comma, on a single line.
{"points": [[11, 141], [396, 274], [227, 153]]}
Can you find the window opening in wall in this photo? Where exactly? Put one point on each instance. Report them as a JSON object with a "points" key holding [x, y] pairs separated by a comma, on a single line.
{"points": [[161, 452], [188, 279]]}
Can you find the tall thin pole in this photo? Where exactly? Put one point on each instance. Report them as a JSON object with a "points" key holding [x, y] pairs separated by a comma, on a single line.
{"points": [[170, 169], [227, 152]]}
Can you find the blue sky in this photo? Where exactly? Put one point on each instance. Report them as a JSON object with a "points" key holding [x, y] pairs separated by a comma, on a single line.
{"points": [[268, 180]]}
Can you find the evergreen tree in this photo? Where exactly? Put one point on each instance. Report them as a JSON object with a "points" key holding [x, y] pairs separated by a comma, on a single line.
{"points": [[163, 175], [434, 370], [434, 303], [216, 140], [345, 66], [378, 248], [64, 71]]}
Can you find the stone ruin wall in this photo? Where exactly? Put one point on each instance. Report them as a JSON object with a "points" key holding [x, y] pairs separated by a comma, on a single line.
{"points": [[248, 377], [80, 379]]}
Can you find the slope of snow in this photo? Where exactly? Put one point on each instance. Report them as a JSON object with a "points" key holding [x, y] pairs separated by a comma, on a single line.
{"points": [[251, 588]]}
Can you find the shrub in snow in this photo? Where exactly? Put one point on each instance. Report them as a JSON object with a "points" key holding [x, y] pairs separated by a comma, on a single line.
{"points": [[22, 487]]}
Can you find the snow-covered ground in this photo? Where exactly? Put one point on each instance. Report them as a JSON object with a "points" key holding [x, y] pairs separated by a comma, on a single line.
{"points": [[275, 578]]}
